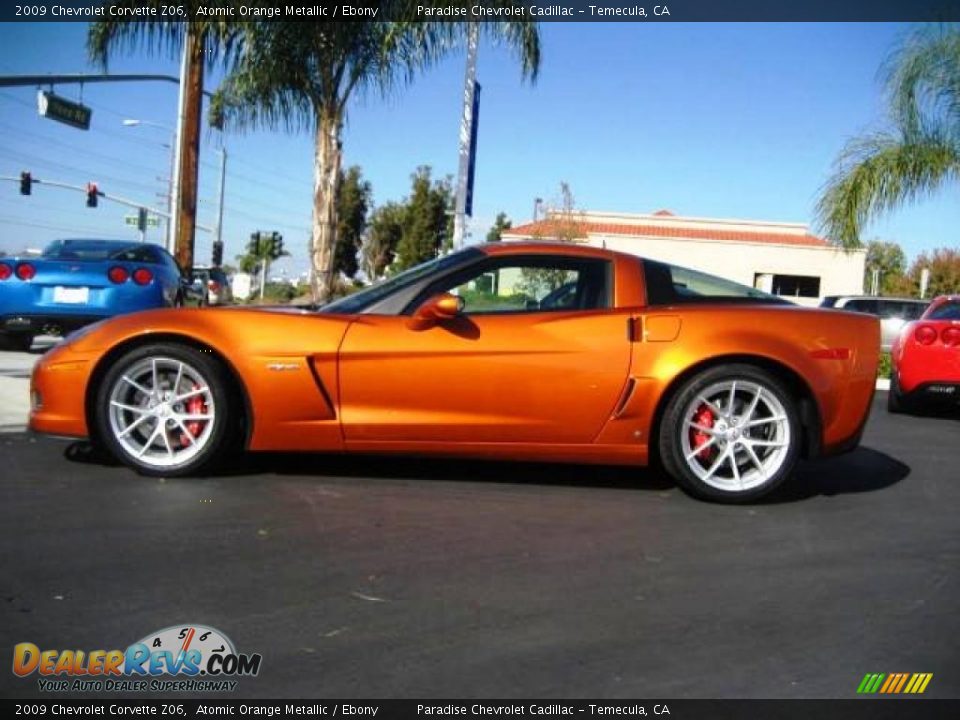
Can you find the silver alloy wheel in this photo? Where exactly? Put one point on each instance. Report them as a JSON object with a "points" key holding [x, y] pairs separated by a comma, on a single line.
{"points": [[735, 435], [161, 411]]}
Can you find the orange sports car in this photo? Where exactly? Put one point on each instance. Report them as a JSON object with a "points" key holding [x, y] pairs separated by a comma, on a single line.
{"points": [[521, 351]]}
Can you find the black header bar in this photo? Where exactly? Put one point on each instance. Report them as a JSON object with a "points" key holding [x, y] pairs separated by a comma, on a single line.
{"points": [[175, 707], [489, 10]]}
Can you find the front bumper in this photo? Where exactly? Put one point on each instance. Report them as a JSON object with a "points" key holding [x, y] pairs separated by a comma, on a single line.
{"points": [[58, 392]]}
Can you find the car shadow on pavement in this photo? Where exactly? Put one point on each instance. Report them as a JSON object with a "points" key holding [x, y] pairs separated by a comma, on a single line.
{"points": [[322, 465], [863, 470], [936, 413], [452, 470]]}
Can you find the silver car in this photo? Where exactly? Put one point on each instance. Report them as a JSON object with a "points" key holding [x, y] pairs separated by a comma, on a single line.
{"points": [[894, 313], [213, 285]]}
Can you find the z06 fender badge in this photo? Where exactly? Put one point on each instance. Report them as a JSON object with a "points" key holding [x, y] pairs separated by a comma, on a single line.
{"points": [[283, 366]]}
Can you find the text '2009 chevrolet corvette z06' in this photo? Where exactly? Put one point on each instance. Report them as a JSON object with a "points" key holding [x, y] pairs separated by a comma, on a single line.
{"points": [[520, 351]]}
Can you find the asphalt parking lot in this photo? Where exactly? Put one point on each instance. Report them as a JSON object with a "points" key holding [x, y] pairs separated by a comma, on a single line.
{"points": [[377, 578]]}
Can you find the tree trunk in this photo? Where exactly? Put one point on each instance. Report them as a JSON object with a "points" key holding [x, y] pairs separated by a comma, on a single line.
{"points": [[190, 152], [326, 170]]}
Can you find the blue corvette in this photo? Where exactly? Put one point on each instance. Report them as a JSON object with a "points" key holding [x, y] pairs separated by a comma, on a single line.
{"points": [[77, 282]]}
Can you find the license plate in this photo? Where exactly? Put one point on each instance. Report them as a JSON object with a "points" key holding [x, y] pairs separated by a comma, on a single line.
{"points": [[71, 294]]}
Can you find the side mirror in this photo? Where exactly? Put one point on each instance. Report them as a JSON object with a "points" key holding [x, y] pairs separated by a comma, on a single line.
{"points": [[444, 306], [438, 308]]}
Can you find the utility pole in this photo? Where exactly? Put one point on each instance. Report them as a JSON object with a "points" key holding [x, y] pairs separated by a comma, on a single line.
{"points": [[188, 147], [466, 137]]}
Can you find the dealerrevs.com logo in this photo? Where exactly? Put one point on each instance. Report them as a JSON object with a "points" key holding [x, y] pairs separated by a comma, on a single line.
{"points": [[201, 658]]}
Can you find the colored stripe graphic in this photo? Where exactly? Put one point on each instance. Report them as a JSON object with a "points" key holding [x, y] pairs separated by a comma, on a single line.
{"points": [[894, 683]]}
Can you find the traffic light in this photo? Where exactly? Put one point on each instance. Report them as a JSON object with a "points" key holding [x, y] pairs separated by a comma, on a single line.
{"points": [[277, 244], [254, 246], [142, 219], [92, 193], [217, 258], [26, 181]]}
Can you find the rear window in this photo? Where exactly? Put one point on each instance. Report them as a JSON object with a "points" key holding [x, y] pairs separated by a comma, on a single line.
{"points": [[93, 251], [672, 284]]}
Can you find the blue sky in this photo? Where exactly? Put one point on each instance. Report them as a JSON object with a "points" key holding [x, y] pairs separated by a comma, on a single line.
{"points": [[719, 120]]}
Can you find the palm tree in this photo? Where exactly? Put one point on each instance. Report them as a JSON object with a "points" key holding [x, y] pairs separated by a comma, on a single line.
{"points": [[302, 76], [913, 157]]}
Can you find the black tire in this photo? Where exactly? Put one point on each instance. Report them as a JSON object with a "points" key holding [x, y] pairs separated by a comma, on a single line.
{"points": [[16, 342], [759, 451], [895, 400], [184, 445]]}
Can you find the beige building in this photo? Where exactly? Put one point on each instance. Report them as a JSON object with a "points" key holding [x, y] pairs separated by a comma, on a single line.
{"points": [[782, 258]]}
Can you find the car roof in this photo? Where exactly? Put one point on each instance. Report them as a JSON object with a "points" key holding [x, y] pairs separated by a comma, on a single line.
{"points": [[545, 247], [100, 242], [881, 298]]}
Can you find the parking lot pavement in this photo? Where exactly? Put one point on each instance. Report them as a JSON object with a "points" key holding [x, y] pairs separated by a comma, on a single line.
{"points": [[15, 370], [360, 577]]}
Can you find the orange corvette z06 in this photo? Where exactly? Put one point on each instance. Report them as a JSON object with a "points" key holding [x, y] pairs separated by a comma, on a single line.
{"points": [[523, 351]]}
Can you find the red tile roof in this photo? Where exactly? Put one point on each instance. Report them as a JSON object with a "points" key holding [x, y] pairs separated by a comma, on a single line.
{"points": [[551, 228]]}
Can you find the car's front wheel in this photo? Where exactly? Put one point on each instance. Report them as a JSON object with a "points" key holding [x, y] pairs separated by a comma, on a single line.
{"points": [[167, 410], [731, 433]]}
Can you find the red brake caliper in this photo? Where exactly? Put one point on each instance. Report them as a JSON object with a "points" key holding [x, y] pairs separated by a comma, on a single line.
{"points": [[195, 406], [704, 418]]}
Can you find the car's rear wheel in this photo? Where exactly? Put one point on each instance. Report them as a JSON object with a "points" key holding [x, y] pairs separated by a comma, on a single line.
{"points": [[731, 434], [18, 342], [167, 410]]}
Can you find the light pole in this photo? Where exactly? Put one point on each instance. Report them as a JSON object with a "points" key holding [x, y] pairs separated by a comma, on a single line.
{"points": [[171, 240], [132, 122]]}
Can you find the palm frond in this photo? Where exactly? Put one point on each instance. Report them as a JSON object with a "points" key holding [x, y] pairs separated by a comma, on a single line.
{"points": [[923, 81], [879, 173], [163, 36]]}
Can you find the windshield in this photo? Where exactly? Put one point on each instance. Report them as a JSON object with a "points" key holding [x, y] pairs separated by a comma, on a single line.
{"points": [[363, 299]]}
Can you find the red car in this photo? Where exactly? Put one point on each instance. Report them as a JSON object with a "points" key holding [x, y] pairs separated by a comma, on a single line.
{"points": [[926, 358]]}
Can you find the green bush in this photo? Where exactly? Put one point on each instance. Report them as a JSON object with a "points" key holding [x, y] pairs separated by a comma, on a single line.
{"points": [[883, 369]]}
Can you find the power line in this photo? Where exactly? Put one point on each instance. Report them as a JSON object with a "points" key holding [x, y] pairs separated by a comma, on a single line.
{"points": [[157, 146], [61, 228], [265, 220], [31, 159], [74, 149]]}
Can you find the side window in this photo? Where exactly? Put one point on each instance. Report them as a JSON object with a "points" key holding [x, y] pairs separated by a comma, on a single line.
{"points": [[530, 284], [863, 306]]}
